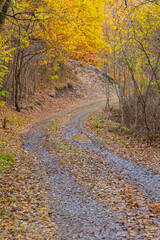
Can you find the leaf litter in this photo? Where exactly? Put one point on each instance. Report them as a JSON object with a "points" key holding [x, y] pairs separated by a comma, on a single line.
{"points": [[136, 211], [24, 204], [108, 133], [25, 211]]}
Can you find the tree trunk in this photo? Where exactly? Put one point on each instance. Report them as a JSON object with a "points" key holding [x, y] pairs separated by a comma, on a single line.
{"points": [[17, 86], [4, 8], [107, 94]]}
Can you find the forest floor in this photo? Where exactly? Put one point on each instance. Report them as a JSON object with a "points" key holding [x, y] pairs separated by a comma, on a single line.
{"points": [[58, 180]]}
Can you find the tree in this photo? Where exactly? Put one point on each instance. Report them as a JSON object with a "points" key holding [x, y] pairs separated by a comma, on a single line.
{"points": [[47, 30], [132, 36], [4, 8]]}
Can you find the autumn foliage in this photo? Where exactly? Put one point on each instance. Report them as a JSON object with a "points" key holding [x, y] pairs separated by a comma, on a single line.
{"points": [[132, 57], [120, 36]]}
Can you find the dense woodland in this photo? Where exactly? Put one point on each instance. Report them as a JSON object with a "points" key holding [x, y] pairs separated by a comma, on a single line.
{"points": [[120, 37]]}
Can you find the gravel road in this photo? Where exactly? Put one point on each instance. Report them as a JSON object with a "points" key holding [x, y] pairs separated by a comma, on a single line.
{"points": [[77, 213]]}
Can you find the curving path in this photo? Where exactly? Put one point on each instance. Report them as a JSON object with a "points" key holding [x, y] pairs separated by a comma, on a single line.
{"points": [[77, 214]]}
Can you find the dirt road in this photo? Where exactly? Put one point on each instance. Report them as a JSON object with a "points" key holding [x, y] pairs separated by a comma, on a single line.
{"points": [[77, 212]]}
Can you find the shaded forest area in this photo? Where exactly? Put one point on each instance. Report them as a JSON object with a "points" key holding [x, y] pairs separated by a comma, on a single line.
{"points": [[120, 37]]}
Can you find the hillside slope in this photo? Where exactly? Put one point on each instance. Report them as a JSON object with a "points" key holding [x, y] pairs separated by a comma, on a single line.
{"points": [[74, 84]]}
